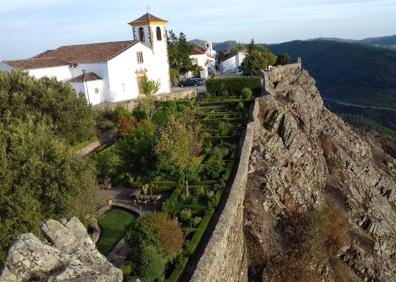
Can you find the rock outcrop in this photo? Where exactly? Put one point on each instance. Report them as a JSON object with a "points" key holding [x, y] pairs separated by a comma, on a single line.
{"points": [[69, 255], [305, 158]]}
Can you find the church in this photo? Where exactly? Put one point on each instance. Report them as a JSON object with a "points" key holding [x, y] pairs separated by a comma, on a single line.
{"points": [[109, 71]]}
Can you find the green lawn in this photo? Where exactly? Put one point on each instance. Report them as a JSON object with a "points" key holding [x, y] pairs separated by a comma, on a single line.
{"points": [[113, 224]]}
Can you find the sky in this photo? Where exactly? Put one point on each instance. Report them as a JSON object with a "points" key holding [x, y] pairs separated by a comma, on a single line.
{"points": [[28, 27]]}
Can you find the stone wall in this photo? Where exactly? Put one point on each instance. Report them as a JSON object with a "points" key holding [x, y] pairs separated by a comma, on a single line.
{"points": [[131, 104], [89, 148], [224, 256]]}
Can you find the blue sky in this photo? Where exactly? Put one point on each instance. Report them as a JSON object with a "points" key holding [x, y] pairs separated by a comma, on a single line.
{"points": [[28, 27]]}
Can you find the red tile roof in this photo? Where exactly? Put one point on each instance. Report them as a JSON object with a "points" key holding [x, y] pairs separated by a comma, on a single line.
{"points": [[146, 18], [37, 63], [89, 76], [89, 53], [74, 54]]}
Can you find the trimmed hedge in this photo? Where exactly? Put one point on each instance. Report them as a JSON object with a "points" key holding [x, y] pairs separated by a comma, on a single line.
{"points": [[231, 86], [179, 270], [192, 246]]}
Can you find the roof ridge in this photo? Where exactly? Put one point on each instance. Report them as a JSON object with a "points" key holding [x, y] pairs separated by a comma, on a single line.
{"points": [[85, 44]]}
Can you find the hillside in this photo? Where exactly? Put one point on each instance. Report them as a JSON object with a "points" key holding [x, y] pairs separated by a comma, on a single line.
{"points": [[384, 41], [349, 72], [320, 202]]}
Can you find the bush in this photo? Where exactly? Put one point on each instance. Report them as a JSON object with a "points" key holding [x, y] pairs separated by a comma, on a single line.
{"points": [[185, 215], [233, 85], [246, 93], [207, 95], [179, 270], [215, 165], [192, 246], [152, 264], [282, 59], [127, 269]]}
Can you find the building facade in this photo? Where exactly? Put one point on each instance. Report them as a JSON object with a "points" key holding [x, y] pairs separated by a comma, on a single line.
{"points": [[110, 71]]}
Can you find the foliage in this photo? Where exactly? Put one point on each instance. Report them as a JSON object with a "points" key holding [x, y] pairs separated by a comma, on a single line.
{"points": [[41, 177], [257, 59], [215, 165], [108, 163], [185, 215], [22, 96], [124, 120], [168, 232], [192, 246], [246, 93], [282, 59], [136, 149], [174, 76], [179, 51], [196, 70], [347, 72], [178, 148], [113, 224], [178, 272], [127, 269], [151, 264], [233, 86], [146, 103]]}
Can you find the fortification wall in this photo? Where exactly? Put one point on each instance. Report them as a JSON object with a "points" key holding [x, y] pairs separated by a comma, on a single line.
{"points": [[224, 257]]}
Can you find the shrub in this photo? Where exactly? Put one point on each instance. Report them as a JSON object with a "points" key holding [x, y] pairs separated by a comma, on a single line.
{"points": [[193, 244], [167, 231], [178, 272], [282, 59], [207, 95], [152, 264], [246, 93], [185, 215], [127, 269], [233, 85], [215, 165], [174, 76]]}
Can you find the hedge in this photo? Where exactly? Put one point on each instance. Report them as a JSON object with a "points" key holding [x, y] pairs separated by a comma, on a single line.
{"points": [[231, 86], [171, 205], [179, 270], [193, 244]]}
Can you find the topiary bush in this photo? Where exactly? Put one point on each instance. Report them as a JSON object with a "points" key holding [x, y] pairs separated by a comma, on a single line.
{"points": [[246, 93], [233, 86]]}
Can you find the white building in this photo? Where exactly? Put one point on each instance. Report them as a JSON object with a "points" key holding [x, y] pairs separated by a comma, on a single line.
{"points": [[110, 71], [232, 64], [205, 58]]}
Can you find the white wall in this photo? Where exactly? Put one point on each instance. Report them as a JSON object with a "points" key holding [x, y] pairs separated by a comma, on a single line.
{"points": [[123, 71], [89, 90], [232, 64], [202, 61]]}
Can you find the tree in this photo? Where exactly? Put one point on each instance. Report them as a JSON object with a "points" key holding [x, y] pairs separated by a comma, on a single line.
{"points": [[23, 96], [178, 148], [179, 51], [168, 232], [152, 264], [146, 103], [136, 149], [41, 178], [282, 59], [257, 59]]}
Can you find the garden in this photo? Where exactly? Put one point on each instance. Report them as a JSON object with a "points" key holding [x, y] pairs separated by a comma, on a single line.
{"points": [[184, 151]]}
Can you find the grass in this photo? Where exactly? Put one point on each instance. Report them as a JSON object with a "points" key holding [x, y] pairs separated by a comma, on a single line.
{"points": [[85, 143], [113, 224]]}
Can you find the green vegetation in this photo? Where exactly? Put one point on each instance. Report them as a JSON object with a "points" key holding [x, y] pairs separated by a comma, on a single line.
{"points": [[348, 72], [282, 59], [85, 143], [233, 86], [24, 97], [179, 51], [113, 224], [258, 58], [41, 176]]}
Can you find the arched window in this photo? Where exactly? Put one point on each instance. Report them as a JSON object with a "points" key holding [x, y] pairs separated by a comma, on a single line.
{"points": [[159, 33], [141, 34]]}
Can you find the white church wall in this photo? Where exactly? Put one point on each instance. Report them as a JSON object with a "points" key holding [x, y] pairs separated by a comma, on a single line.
{"points": [[100, 69], [61, 73], [93, 91]]}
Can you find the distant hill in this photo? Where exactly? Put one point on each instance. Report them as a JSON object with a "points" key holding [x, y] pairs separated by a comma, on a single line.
{"points": [[349, 72], [386, 41], [224, 46]]}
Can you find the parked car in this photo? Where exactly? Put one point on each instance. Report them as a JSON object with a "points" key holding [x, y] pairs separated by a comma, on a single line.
{"points": [[192, 82]]}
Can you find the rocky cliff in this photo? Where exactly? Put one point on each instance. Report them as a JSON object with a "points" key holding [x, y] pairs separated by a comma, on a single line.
{"points": [[321, 199], [69, 255]]}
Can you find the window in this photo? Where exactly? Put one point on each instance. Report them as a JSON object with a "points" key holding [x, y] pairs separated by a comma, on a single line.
{"points": [[159, 33], [96, 90], [140, 57], [141, 34]]}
